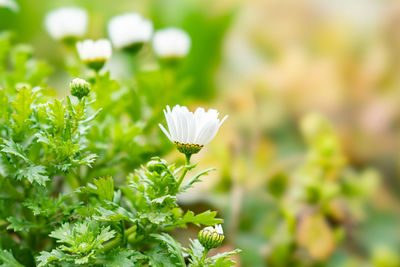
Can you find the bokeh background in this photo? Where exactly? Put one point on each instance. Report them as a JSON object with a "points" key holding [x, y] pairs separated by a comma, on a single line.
{"points": [[308, 161]]}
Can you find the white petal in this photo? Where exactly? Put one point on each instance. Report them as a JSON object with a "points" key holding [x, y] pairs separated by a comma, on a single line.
{"points": [[191, 128], [185, 127], [222, 121], [171, 125], [207, 132], [165, 132]]}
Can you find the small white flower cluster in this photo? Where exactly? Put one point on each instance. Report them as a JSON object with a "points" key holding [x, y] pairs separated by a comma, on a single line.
{"points": [[128, 31], [131, 30], [191, 131]]}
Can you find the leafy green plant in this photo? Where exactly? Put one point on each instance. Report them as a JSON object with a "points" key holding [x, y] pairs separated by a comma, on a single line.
{"points": [[79, 181]]}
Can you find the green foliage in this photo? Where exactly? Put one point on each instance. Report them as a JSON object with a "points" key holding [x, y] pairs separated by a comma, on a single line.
{"points": [[8, 260], [81, 243], [76, 187]]}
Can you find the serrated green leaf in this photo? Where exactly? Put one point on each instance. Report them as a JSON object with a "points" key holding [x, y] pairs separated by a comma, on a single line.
{"points": [[11, 147], [102, 187], [33, 174], [123, 258], [168, 253], [19, 224], [205, 218], [7, 259], [22, 107], [222, 263]]}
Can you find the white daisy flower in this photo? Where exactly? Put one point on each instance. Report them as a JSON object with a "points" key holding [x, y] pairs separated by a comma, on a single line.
{"points": [[94, 53], [67, 23], [171, 43], [191, 131], [129, 31]]}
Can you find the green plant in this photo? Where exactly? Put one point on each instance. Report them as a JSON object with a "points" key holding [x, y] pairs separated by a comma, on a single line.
{"points": [[79, 183]]}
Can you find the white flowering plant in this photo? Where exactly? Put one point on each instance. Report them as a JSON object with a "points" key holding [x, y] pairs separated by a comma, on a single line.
{"points": [[82, 181]]}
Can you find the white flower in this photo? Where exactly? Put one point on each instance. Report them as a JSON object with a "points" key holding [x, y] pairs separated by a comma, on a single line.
{"points": [[218, 229], [171, 43], [10, 4], [94, 53], [129, 29], [67, 22], [191, 131]]}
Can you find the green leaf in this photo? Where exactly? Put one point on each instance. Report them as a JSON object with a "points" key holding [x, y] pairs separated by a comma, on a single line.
{"points": [[205, 218], [33, 174], [123, 258], [22, 107], [196, 252], [196, 179], [102, 187], [11, 147], [174, 249], [114, 216], [7, 259], [45, 258], [19, 224], [221, 259], [222, 263]]}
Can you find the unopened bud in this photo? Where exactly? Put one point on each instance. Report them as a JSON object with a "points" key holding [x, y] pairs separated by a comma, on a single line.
{"points": [[156, 165], [79, 88], [211, 237]]}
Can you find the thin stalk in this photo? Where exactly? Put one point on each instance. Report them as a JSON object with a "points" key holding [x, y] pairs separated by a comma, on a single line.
{"points": [[116, 241], [180, 180], [205, 252]]}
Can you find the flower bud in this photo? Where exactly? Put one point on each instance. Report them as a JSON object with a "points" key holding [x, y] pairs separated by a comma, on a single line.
{"points": [[211, 237], [156, 165], [79, 88]]}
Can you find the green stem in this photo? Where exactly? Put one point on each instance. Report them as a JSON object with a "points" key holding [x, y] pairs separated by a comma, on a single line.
{"points": [[185, 170], [116, 241], [205, 252]]}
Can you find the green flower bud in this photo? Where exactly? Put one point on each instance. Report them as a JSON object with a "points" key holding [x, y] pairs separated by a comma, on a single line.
{"points": [[79, 88], [211, 237], [156, 165]]}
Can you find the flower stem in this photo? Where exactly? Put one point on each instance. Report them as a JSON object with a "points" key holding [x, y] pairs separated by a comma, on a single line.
{"points": [[205, 252], [117, 241], [185, 170]]}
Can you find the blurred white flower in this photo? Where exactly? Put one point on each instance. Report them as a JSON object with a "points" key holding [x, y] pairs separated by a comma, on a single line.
{"points": [[129, 30], [191, 131], [67, 23], [94, 53], [10, 4], [171, 43]]}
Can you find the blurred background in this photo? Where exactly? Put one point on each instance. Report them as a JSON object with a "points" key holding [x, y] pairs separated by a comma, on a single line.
{"points": [[307, 163]]}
